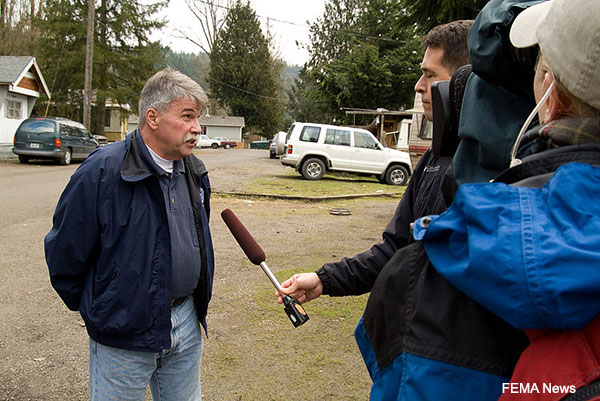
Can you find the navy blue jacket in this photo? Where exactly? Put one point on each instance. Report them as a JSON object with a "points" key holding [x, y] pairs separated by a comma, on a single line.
{"points": [[109, 251]]}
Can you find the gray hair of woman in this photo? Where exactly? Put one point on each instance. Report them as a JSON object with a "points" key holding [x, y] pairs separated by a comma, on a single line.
{"points": [[166, 86]]}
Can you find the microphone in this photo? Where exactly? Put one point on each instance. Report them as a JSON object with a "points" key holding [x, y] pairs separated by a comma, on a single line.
{"points": [[250, 247], [257, 256]]}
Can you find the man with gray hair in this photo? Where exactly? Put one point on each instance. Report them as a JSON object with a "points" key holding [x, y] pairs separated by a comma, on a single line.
{"points": [[131, 250]]}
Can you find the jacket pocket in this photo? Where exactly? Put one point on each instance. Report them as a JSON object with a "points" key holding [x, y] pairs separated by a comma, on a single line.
{"points": [[120, 308]]}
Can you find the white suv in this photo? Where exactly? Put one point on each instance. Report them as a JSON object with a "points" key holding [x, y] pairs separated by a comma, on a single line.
{"points": [[315, 148]]}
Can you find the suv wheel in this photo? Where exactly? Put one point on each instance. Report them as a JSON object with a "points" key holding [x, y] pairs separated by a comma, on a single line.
{"points": [[23, 159], [66, 158], [313, 169], [396, 175]]}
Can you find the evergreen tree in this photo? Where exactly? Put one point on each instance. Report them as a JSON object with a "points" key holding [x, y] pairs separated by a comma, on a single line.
{"points": [[429, 13], [244, 75], [124, 57], [362, 56]]}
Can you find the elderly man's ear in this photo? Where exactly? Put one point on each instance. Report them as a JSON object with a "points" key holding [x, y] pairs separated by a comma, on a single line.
{"points": [[152, 118]]}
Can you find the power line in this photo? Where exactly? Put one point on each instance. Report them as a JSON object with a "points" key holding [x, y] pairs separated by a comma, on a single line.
{"points": [[308, 26], [243, 90]]}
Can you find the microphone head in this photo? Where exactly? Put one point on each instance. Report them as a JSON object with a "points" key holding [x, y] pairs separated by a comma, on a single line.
{"points": [[250, 247]]}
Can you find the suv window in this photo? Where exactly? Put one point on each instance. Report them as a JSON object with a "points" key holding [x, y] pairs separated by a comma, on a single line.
{"points": [[364, 140], [289, 133], [310, 134], [337, 137], [37, 127]]}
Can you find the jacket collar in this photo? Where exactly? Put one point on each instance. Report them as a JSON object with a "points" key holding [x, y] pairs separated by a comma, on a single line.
{"points": [[562, 132], [136, 168]]}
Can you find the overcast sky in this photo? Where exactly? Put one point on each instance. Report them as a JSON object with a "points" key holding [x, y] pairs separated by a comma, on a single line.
{"points": [[287, 19]]}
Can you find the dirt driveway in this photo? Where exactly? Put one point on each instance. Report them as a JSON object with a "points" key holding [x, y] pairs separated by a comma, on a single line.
{"points": [[253, 352]]}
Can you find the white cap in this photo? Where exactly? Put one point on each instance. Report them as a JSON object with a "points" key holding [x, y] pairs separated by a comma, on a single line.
{"points": [[568, 32]]}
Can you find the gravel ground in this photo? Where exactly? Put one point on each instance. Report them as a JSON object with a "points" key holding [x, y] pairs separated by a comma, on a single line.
{"points": [[253, 352]]}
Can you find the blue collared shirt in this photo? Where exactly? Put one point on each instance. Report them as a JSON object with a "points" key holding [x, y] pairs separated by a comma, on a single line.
{"points": [[185, 248]]}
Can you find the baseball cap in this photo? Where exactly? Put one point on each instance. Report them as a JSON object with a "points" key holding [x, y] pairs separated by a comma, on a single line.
{"points": [[568, 33]]}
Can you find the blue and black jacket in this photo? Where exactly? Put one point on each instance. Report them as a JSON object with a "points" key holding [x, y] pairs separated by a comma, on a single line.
{"points": [[109, 250]]}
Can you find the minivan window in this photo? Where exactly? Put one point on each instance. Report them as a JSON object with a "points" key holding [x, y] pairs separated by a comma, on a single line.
{"points": [[310, 134], [37, 127], [83, 133], [337, 137], [68, 130], [364, 140]]}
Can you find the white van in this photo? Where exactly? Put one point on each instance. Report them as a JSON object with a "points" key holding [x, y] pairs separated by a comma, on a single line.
{"points": [[315, 148]]}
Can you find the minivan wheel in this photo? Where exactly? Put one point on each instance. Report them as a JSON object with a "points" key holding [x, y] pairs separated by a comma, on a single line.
{"points": [[66, 158], [23, 159], [313, 169], [396, 175]]}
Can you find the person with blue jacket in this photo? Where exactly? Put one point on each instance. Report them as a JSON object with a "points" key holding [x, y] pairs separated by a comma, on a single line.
{"points": [[420, 337], [527, 246], [131, 249]]}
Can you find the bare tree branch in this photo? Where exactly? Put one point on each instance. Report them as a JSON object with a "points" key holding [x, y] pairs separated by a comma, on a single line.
{"points": [[210, 15]]}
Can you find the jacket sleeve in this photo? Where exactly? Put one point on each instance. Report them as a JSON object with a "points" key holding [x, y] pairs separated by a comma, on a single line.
{"points": [[529, 255], [356, 275], [74, 237]]}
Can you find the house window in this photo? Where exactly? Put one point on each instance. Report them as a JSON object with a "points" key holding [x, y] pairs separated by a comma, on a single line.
{"points": [[107, 114], [13, 109]]}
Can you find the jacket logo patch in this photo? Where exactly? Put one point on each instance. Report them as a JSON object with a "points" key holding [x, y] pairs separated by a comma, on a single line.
{"points": [[432, 169]]}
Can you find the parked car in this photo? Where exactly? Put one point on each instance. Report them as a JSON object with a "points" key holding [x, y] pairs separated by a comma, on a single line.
{"points": [[225, 142], [205, 142], [277, 145], [52, 138], [313, 149], [259, 145], [101, 139]]}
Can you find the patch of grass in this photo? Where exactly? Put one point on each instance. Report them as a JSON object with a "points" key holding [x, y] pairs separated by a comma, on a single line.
{"points": [[321, 356], [292, 183]]}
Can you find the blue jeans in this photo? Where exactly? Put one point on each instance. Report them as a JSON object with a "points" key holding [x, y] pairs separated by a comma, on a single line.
{"points": [[123, 375]]}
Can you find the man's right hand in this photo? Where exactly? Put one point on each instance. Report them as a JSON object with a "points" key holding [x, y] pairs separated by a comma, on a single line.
{"points": [[302, 287]]}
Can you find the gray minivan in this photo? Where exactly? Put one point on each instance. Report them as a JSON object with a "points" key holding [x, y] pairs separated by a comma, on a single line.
{"points": [[52, 138]]}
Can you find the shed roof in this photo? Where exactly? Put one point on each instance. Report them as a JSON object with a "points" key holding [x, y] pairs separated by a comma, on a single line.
{"points": [[14, 68], [223, 121]]}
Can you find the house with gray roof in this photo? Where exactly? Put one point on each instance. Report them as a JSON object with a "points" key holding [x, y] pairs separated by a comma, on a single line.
{"points": [[21, 83], [222, 126]]}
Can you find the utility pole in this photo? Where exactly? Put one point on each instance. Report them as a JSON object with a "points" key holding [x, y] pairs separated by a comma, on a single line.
{"points": [[89, 58]]}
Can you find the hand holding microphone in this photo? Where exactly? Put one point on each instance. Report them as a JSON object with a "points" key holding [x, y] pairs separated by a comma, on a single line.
{"points": [[257, 256], [302, 287]]}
